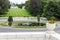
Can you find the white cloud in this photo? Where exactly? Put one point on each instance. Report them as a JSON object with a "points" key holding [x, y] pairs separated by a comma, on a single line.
{"points": [[18, 1]]}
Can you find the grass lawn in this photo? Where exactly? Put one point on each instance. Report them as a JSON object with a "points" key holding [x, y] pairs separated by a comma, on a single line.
{"points": [[16, 12], [30, 27], [3, 24]]}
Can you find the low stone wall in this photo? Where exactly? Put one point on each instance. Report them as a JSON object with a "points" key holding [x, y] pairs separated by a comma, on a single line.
{"points": [[55, 36], [52, 36], [22, 36], [29, 36]]}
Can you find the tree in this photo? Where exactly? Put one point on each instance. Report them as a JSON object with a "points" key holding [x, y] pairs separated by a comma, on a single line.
{"points": [[35, 7], [52, 10], [4, 6]]}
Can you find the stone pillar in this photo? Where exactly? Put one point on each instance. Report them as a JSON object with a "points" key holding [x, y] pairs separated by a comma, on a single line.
{"points": [[50, 27], [50, 30]]}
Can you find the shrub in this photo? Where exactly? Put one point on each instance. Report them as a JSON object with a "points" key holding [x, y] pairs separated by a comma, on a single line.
{"points": [[28, 24], [42, 24], [33, 24], [10, 20]]}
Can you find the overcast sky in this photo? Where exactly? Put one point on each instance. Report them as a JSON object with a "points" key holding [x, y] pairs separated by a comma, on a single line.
{"points": [[18, 1]]}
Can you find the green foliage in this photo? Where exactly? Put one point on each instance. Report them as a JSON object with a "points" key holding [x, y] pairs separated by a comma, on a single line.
{"points": [[44, 8], [52, 9], [27, 5], [4, 5]]}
